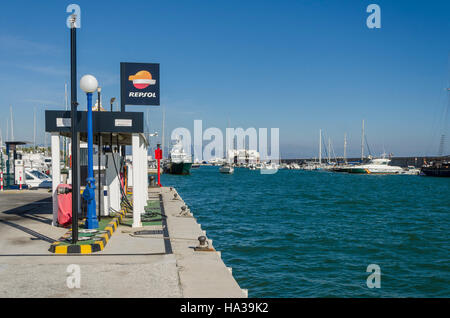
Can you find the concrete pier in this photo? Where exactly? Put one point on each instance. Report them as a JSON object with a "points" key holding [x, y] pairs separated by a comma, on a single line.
{"points": [[201, 274], [133, 264]]}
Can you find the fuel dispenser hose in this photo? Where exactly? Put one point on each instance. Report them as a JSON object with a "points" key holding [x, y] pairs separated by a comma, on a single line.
{"points": [[147, 216]]}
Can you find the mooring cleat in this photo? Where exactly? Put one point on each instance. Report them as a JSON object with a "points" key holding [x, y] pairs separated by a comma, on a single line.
{"points": [[203, 245]]}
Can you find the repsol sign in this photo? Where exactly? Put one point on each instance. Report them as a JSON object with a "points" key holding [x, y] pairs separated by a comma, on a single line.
{"points": [[139, 83]]}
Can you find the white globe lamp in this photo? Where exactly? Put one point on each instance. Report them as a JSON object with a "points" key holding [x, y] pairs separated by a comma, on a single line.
{"points": [[88, 83]]}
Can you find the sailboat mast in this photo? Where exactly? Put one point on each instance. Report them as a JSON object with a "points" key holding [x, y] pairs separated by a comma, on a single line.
{"points": [[345, 147], [444, 129], [320, 146], [34, 129], [329, 149], [163, 122], [12, 123], [362, 142]]}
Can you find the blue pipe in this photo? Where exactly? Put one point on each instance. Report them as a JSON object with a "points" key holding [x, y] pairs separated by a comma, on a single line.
{"points": [[89, 193], [90, 137]]}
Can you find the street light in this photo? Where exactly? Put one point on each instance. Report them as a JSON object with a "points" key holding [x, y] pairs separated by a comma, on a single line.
{"points": [[99, 99], [112, 102], [73, 124], [89, 84]]}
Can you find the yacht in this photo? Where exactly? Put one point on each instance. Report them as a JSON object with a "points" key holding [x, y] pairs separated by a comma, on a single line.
{"points": [[180, 161], [376, 166], [269, 167], [226, 169], [411, 170]]}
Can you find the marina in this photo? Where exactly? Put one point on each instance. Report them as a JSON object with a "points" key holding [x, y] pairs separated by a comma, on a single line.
{"points": [[315, 227], [228, 156]]}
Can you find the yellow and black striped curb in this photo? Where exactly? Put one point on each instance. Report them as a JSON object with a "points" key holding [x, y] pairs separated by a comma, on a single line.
{"points": [[98, 245]]}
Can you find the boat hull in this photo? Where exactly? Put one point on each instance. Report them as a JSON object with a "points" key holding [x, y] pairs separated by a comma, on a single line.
{"points": [[436, 172], [369, 171], [182, 168], [341, 169], [226, 170]]}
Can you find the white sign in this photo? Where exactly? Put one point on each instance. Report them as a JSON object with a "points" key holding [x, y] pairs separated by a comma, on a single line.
{"points": [[63, 122], [123, 122]]}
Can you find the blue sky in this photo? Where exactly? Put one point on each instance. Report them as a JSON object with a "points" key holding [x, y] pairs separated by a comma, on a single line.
{"points": [[296, 65]]}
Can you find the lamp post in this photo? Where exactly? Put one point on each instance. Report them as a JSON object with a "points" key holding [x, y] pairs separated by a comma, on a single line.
{"points": [[89, 84], [99, 136], [112, 102], [74, 129]]}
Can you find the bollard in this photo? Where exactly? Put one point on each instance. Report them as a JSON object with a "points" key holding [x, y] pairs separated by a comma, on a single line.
{"points": [[152, 181], [1, 180], [20, 183]]}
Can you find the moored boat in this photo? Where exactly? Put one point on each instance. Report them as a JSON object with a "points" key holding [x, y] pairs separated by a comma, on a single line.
{"points": [[226, 169], [376, 166], [437, 169], [180, 162]]}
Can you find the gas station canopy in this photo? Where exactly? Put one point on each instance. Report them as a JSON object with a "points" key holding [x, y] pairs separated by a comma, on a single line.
{"points": [[120, 125]]}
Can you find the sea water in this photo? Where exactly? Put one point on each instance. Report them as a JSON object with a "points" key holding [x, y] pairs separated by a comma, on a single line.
{"points": [[313, 234]]}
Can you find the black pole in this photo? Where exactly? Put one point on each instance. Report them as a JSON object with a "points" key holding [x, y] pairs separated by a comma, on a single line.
{"points": [[122, 107], [100, 188], [99, 148], [117, 140], [74, 104], [111, 141]]}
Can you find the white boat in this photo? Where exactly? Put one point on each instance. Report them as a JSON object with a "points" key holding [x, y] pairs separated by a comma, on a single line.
{"points": [[411, 170], [196, 164], [376, 166], [226, 169], [269, 167], [180, 162]]}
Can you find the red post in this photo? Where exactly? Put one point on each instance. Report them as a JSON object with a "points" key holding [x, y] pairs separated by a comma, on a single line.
{"points": [[158, 156], [159, 172], [1, 179], [20, 183]]}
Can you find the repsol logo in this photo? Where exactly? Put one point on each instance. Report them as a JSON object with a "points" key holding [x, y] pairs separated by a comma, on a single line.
{"points": [[142, 94]]}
